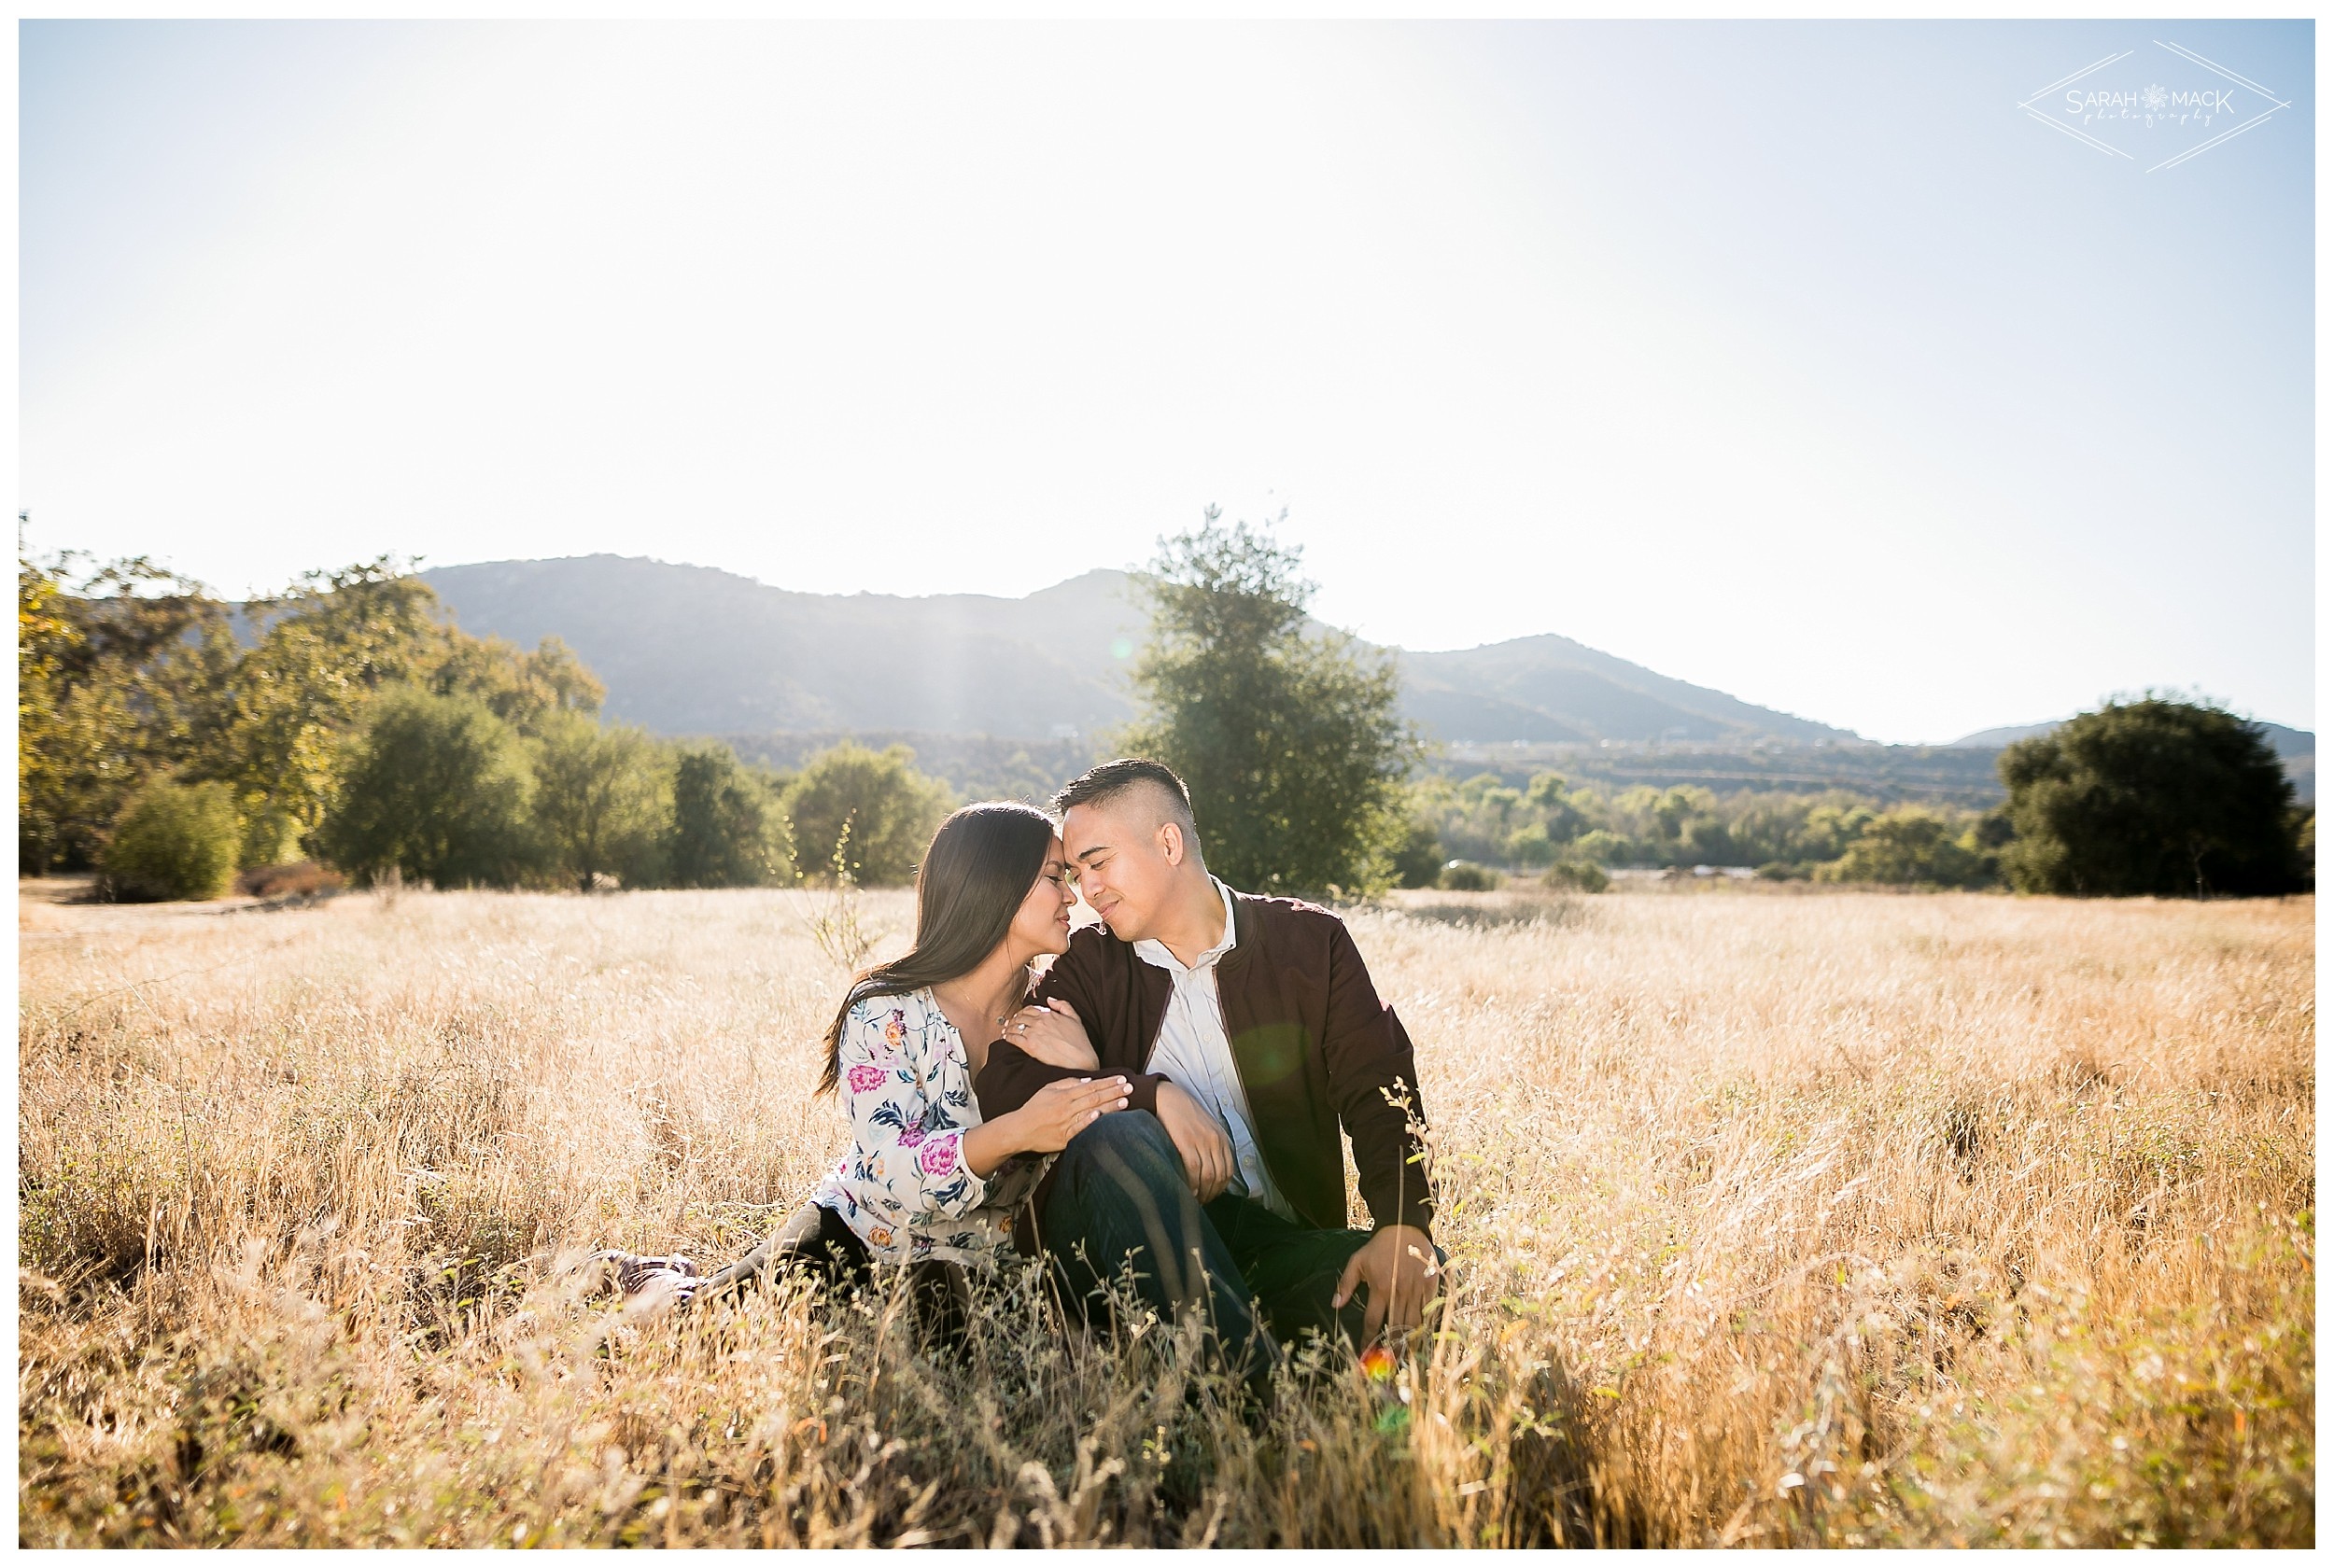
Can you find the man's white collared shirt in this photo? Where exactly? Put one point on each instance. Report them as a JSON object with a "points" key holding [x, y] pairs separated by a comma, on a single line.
{"points": [[1194, 1053]]}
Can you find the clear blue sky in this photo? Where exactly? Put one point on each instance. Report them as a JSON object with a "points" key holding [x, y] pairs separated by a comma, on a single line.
{"points": [[1791, 358]]}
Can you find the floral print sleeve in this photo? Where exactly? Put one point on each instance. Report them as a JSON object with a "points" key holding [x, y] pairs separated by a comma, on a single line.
{"points": [[907, 1158]]}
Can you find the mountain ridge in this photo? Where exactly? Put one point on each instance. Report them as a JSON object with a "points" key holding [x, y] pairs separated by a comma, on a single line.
{"points": [[696, 649], [2286, 741]]}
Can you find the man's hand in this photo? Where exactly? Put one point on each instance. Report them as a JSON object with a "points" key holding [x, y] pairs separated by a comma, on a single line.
{"points": [[1054, 1035], [1398, 1264], [1200, 1139]]}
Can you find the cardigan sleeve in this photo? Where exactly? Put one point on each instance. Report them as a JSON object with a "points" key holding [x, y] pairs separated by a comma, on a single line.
{"points": [[906, 1162]]}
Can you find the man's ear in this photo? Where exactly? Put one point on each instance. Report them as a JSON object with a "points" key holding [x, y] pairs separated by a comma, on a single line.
{"points": [[1171, 843]]}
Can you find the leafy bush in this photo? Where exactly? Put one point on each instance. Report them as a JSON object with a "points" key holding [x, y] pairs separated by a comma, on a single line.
{"points": [[1465, 876], [1586, 877], [298, 879], [174, 841]]}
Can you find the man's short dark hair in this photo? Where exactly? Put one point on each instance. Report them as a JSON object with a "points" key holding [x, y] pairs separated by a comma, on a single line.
{"points": [[1108, 780]]}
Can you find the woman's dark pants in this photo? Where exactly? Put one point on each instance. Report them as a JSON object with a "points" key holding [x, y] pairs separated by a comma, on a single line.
{"points": [[816, 1242]]}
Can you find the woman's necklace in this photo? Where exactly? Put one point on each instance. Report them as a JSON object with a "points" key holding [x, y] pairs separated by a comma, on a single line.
{"points": [[999, 1020]]}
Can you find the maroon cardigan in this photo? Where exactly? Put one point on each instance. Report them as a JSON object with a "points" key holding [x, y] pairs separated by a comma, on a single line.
{"points": [[1314, 1047]]}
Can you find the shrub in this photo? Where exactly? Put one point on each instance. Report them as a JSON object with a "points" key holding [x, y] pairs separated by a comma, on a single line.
{"points": [[1465, 876], [298, 879], [1586, 877], [174, 841]]}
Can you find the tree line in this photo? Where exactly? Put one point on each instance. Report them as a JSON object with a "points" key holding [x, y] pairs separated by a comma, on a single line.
{"points": [[1829, 835], [349, 724], [2150, 795]]}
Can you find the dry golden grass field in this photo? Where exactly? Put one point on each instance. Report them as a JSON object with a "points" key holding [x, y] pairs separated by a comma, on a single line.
{"points": [[1836, 1218]]}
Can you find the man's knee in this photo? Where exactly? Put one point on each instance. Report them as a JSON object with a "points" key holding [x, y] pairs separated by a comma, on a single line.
{"points": [[1119, 1142]]}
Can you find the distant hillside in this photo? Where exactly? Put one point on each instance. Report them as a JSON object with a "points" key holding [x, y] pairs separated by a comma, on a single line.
{"points": [[1957, 777], [2285, 742], [690, 650], [693, 651], [1550, 688]]}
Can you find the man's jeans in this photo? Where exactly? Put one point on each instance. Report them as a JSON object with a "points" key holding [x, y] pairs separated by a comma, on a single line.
{"points": [[1121, 1194]]}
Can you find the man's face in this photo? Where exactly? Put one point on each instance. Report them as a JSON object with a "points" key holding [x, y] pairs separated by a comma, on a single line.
{"points": [[1120, 849]]}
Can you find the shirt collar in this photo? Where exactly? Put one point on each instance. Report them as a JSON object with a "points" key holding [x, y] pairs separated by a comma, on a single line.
{"points": [[1150, 950]]}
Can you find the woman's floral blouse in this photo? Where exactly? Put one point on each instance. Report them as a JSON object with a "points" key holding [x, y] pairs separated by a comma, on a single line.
{"points": [[903, 1186]]}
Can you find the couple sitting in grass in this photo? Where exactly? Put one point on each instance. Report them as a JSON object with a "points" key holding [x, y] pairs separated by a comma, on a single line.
{"points": [[1163, 1102]]}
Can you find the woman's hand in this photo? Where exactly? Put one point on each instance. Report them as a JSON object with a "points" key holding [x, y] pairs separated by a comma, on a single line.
{"points": [[1063, 1110], [1053, 1035]]}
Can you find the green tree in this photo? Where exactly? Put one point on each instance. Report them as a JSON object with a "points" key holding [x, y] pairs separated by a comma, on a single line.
{"points": [[527, 691], [174, 841], [728, 828], [116, 667], [436, 788], [1604, 847], [1289, 737], [1552, 799], [601, 799], [2151, 795], [1417, 857], [47, 640], [890, 808], [326, 648]]}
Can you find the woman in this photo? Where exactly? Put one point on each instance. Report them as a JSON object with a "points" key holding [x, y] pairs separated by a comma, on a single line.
{"points": [[925, 1182]]}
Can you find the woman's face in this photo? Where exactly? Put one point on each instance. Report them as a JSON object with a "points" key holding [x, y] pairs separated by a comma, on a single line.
{"points": [[1042, 924]]}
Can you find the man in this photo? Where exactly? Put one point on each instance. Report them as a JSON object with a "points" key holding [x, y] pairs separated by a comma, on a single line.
{"points": [[1252, 1035]]}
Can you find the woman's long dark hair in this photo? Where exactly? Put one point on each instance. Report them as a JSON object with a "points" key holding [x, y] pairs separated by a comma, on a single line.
{"points": [[978, 867]]}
